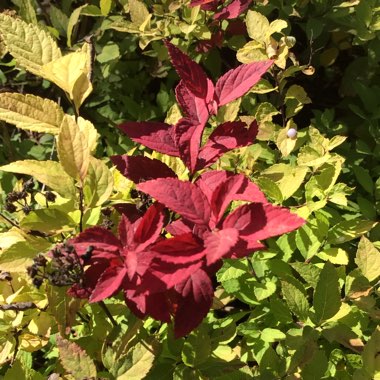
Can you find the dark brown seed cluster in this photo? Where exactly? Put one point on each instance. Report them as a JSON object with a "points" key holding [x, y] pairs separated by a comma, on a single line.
{"points": [[64, 269]]}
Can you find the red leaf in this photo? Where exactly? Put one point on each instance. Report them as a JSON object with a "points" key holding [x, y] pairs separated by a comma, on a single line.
{"points": [[140, 168], [190, 72], [189, 137], [210, 180], [196, 295], [233, 10], [236, 82], [154, 135], [220, 243], [185, 198], [149, 227], [109, 283], [179, 227], [259, 221], [223, 195], [224, 138], [194, 108], [126, 232], [181, 249]]}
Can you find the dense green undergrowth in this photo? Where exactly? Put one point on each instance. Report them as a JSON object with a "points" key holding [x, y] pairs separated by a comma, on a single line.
{"points": [[307, 307]]}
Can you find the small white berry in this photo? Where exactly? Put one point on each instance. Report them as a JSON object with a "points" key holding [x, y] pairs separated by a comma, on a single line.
{"points": [[292, 133]]}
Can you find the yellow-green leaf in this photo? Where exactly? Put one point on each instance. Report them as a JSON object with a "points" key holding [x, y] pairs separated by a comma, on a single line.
{"points": [[31, 46], [98, 183], [3, 48], [75, 360], [73, 20], [257, 26], [285, 143], [368, 259], [252, 51], [31, 112], [140, 359], [71, 73], [50, 173], [105, 6], [348, 230], [73, 149], [335, 255]]}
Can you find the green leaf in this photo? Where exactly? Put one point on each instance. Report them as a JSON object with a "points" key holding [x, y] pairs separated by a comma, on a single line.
{"points": [[349, 230], [59, 19], [296, 300], [368, 259], [31, 112], [272, 335], [98, 184], [270, 189], [75, 360], [335, 255], [327, 298], [50, 173], [370, 355], [20, 36], [309, 272], [364, 178], [197, 348], [138, 11], [73, 21], [316, 368]]}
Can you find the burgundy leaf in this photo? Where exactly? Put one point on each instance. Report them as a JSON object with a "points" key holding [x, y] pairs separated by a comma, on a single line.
{"points": [[155, 305], [220, 243], [185, 198], [130, 210], [172, 274], [181, 249], [189, 71], [210, 180], [233, 10], [252, 193], [236, 82], [154, 135], [243, 249], [140, 168], [196, 295], [249, 217], [224, 138], [150, 226], [109, 283]]}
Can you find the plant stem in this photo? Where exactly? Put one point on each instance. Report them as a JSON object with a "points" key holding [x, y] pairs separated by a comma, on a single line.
{"points": [[81, 209], [109, 315], [9, 220]]}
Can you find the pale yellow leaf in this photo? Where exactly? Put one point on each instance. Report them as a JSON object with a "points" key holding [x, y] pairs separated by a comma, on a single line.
{"points": [[73, 149], [98, 184], [335, 255], [284, 143], [30, 343], [71, 73], [3, 48], [12, 236], [31, 46], [252, 51], [368, 259], [257, 26], [31, 112], [276, 26], [90, 132], [50, 173], [138, 11]]}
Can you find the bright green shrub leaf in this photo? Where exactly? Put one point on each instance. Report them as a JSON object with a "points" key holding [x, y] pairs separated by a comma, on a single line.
{"points": [[98, 184], [336, 256], [264, 290], [232, 269], [50, 173], [327, 299], [75, 360], [59, 19], [73, 149], [48, 220], [349, 230], [269, 335], [296, 300], [20, 36], [270, 189], [309, 272], [31, 112], [109, 53], [368, 259], [288, 178], [197, 348], [295, 99]]}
